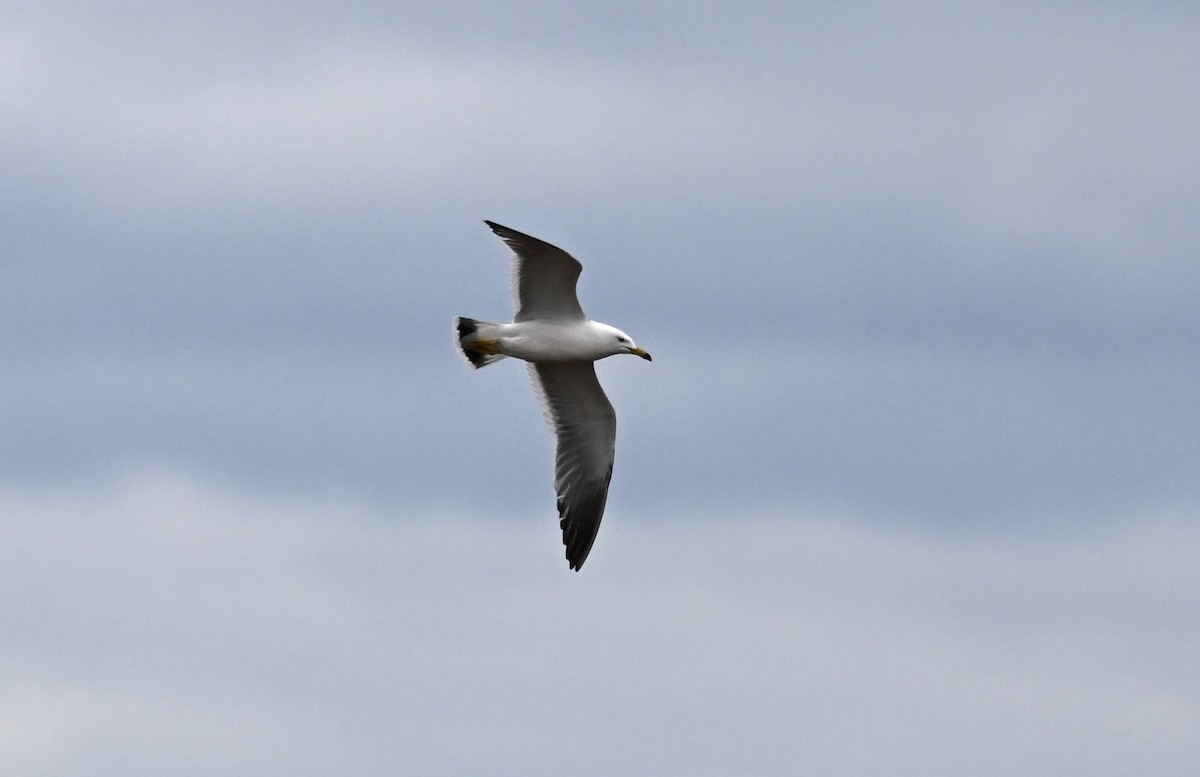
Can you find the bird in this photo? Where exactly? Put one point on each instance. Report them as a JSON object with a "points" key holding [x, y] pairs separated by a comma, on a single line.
{"points": [[560, 343]]}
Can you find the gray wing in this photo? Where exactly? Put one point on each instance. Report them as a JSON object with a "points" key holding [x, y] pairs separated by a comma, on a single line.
{"points": [[586, 429], [544, 277]]}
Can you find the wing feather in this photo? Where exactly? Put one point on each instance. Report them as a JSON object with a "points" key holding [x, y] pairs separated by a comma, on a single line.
{"points": [[585, 427], [544, 277]]}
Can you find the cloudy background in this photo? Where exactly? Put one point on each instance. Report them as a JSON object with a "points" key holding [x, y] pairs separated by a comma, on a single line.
{"points": [[911, 486]]}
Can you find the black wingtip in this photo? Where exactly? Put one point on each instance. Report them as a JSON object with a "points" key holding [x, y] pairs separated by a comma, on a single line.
{"points": [[511, 236], [507, 234], [580, 524]]}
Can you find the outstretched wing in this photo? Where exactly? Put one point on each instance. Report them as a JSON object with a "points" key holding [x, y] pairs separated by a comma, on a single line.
{"points": [[544, 277], [586, 429]]}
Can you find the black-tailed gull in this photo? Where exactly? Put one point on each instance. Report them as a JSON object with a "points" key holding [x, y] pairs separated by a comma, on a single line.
{"points": [[551, 332]]}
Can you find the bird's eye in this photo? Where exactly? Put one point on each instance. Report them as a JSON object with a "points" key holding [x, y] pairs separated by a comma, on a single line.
{"points": [[622, 340]]}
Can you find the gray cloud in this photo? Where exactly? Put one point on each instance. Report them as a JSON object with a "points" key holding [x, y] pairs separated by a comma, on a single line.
{"points": [[926, 271], [957, 249], [183, 626]]}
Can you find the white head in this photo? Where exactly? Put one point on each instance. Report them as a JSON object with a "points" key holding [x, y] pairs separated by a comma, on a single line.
{"points": [[616, 342]]}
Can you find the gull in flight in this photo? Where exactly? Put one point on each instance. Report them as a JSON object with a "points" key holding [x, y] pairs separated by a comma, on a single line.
{"points": [[552, 334]]}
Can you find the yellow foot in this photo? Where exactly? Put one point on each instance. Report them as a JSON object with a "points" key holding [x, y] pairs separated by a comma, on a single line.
{"points": [[489, 347]]}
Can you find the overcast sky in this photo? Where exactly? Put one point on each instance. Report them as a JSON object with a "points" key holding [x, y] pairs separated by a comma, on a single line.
{"points": [[912, 485]]}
